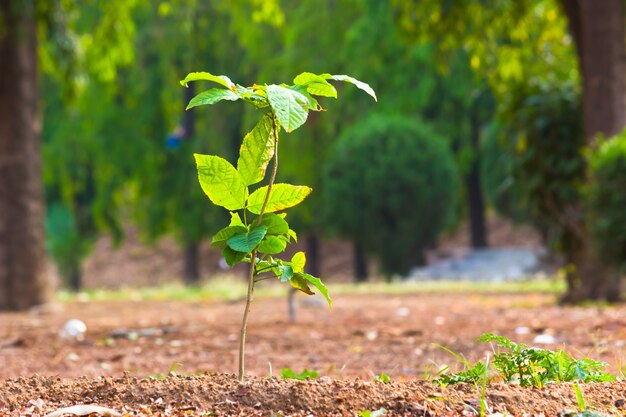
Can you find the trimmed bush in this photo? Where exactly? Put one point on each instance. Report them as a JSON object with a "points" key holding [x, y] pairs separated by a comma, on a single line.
{"points": [[606, 199], [390, 184]]}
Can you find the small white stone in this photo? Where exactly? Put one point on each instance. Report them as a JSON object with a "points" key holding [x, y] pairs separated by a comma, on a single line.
{"points": [[403, 312], [371, 335], [73, 329], [522, 330], [544, 339]]}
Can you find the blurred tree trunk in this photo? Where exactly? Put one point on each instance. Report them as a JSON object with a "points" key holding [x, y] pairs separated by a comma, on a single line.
{"points": [[313, 254], [75, 278], [191, 272], [360, 263], [191, 259], [475, 198], [598, 31], [22, 277]]}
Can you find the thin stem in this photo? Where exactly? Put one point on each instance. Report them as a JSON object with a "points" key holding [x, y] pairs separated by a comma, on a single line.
{"points": [[264, 278], [253, 257], [244, 324]]}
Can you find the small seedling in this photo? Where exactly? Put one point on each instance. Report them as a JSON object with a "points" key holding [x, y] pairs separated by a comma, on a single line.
{"points": [[368, 413], [384, 378], [258, 231], [515, 362], [580, 397], [288, 373]]}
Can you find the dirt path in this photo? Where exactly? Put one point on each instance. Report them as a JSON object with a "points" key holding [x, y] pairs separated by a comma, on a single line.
{"points": [[362, 337]]}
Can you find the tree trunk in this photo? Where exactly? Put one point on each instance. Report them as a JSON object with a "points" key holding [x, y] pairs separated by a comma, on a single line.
{"points": [[75, 280], [603, 67], [23, 283], [192, 272], [360, 264], [313, 254], [475, 199], [598, 30]]}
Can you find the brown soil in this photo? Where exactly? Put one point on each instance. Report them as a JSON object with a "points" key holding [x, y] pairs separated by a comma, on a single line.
{"points": [[361, 337]]}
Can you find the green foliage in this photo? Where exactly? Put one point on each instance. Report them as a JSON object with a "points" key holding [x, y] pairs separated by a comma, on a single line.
{"points": [[536, 173], [384, 378], [391, 185], [254, 239], [369, 413], [515, 362], [606, 198], [512, 36], [288, 373], [65, 243]]}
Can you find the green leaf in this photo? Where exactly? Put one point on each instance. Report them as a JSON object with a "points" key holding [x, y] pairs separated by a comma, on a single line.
{"points": [[276, 224], [293, 235], [205, 76], [298, 260], [313, 103], [220, 238], [300, 284], [286, 273], [212, 96], [272, 244], [282, 196], [317, 283], [316, 84], [221, 182], [235, 220], [360, 84], [257, 149], [288, 106], [319, 89], [247, 241], [232, 257]]}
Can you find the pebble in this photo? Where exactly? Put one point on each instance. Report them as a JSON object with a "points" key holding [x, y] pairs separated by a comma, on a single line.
{"points": [[73, 329], [544, 339]]}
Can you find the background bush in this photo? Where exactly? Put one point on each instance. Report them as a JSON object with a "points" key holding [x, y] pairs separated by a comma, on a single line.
{"points": [[390, 184], [606, 199], [537, 174]]}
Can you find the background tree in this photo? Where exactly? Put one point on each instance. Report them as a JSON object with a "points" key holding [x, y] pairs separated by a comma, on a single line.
{"points": [[22, 280], [405, 78], [504, 40]]}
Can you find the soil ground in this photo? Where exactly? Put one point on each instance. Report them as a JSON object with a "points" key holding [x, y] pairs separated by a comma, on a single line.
{"points": [[364, 335]]}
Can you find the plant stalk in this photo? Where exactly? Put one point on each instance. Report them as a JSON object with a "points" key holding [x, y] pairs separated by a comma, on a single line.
{"points": [[251, 274]]}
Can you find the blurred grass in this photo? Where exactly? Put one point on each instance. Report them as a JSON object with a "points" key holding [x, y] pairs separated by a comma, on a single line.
{"points": [[230, 288]]}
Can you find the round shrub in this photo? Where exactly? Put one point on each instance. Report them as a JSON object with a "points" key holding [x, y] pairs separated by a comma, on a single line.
{"points": [[390, 184], [606, 199]]}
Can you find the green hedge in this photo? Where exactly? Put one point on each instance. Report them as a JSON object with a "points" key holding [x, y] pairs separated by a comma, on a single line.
{"points": [[606, 199], [391, 185]]}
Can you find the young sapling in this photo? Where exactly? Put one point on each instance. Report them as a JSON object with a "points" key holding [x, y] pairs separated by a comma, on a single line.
{"points": [[258, 229]]}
